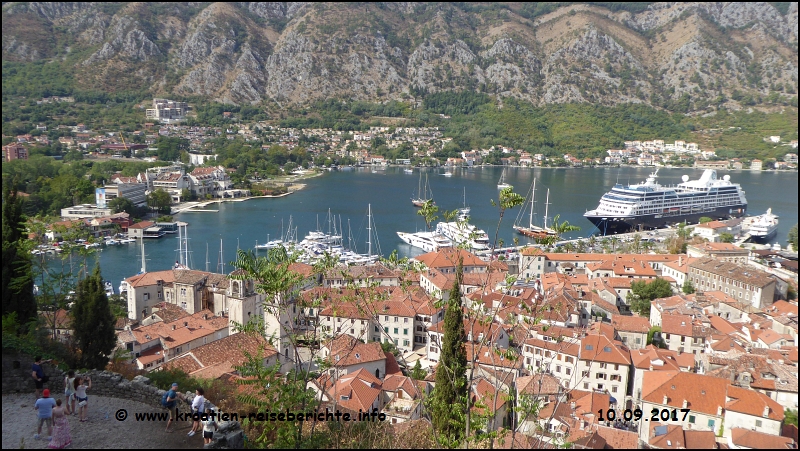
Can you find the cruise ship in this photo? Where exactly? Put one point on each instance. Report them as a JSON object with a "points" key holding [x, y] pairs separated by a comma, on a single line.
{"points": [[650, 205], [427, 241], [762, 228]]}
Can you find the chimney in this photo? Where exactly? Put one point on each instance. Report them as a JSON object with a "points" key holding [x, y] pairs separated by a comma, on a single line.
{"points": [[766, 411], [680, 261], [665, 399], [651, 366], [572, 405], [685, 403], [719, 411], [173, 327], [205, 315], [185, 324]]}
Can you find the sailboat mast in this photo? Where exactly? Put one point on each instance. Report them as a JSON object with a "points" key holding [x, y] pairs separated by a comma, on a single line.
{"points": [[207, 262], [186, 246], [546, 205], [533, 194], [221, 261], [369, 230], [141, 242], [180, 246]]}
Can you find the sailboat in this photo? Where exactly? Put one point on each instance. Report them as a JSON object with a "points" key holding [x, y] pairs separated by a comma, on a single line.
{"points": [[501, 184], [421, 198], [533, 231]]}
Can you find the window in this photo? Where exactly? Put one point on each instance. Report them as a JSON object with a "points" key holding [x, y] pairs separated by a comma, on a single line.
{"points": [[405, 342], [607, 349], [638, 340], [146, 297], [405, 331], [395, 319], [395, 331], [692, 419], [614, 389], [405, 320], [585, 385], [386, 318], [386, 329], [569, 371], [558, 369], [711, 424], [589, 347], [377, 329], [758, 422]]}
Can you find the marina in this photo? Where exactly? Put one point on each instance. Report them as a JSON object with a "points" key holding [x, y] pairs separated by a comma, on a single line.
{"points": [[348, 193]]}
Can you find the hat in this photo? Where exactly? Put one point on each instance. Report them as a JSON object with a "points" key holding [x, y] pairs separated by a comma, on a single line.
{"points": [[46, 393], [174, 384]]}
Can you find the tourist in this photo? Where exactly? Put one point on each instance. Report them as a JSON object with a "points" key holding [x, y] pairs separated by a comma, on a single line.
{"points": [[69, 393], [172, 403], [44, 406], [198, 407], [83, 399], [209, 426], [61, 437], [37, 372]]}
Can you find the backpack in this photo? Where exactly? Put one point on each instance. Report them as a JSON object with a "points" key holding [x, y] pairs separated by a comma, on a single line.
{"points": [[164, 399]]}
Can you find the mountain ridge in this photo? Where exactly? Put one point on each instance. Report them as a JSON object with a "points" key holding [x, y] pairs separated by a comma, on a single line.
{"points": [[683, 57]]}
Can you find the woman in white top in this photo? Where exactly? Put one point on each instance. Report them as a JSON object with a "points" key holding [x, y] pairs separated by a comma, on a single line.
{"points": [[69, 393], [198, 407], [80, 395]]}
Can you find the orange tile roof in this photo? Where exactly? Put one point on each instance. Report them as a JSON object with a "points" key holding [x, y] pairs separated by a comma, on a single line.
{"points": [[746, 438], [624, 323], [644, 358], [186, 329], [346, 351], [538, 384], [753, 403], [676, 324], [617, 438], [222, 356], [448, 258], [599, 348]]}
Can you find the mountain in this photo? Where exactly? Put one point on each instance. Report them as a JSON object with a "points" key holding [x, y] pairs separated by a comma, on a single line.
{"points": [[685, 57]]}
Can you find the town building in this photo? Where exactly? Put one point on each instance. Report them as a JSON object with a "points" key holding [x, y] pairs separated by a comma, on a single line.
{"points": [[742, 282]]}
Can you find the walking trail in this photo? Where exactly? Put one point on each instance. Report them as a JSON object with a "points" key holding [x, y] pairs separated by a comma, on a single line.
{"points": [[19, 425]]}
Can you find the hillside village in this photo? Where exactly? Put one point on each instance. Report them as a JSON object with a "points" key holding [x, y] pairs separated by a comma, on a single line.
{"points": [[561, 333]]}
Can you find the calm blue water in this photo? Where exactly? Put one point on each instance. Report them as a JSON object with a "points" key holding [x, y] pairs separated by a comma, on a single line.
{"points": [[347, 194]]}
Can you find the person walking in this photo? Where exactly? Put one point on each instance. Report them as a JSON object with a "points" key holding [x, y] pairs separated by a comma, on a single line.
{"points": [[37, 372], [172, 404], [209, 426], [198, 407], [83, 400], [61, 437], [44, 407], [69, 393]]}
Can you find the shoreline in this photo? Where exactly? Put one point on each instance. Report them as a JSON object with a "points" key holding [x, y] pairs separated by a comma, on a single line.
{"points": [[200, 206]]}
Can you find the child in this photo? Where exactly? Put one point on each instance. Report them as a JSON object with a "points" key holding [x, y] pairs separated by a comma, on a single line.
{"points": [[198, 407], [80, 395], [61, 437], [209, 426]]}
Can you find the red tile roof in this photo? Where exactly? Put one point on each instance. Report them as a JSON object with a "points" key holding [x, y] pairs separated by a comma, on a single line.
{"points": [[746, 438]]}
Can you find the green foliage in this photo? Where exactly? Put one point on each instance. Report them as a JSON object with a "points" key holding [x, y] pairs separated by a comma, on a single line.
{"points": [[122, 204], [705, 219], [726, 237], [93, 322], [792, 237], [790, 417], [449, 103], [688, 287], [644, 291], [170, 148], [417, 372], [448, 402], [651, 333], [17, 270], [160, 201], [428, 212]]}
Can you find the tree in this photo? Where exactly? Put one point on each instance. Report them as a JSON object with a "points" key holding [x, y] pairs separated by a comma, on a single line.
{"points": [[428, 212], [17, 273], [705, 219], [792, 237], [417, 372], [726, 237], [688, 287], [642, 293], [448, 403], [120, 204], [93, 322], [159, 200]]}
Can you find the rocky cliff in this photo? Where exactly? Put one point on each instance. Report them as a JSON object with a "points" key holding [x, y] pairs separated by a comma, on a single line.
{"points": [[681, 56]]}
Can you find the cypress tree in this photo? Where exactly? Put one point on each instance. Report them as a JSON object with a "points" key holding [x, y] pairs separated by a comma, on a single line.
{"points": [[449, 396], [17, 269], [93, 322]]}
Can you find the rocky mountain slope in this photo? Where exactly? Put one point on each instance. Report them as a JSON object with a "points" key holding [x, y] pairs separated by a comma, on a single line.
{"points": [[687, 57]]}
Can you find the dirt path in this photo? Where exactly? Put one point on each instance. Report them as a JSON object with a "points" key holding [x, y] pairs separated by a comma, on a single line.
{"points": [[19, 425]]}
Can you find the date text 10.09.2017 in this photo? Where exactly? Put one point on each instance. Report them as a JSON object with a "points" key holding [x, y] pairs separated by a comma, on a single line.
{"points": [[637, 414]]}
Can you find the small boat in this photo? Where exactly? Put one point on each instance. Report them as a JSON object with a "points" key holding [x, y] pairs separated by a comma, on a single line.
{"points": [[420, 200], [501, 184], [109, 287], [533, 231], [408, 171], [448, 174]]}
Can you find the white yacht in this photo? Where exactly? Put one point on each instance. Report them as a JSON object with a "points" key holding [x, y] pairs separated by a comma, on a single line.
{"points": [[427, 241], [462, 232], [502, 184], [763, 227]]}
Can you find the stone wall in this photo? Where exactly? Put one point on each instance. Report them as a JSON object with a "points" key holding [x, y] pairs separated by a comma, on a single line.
{"points": [[17, 379]]}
